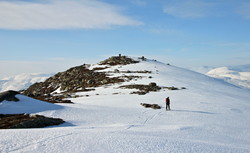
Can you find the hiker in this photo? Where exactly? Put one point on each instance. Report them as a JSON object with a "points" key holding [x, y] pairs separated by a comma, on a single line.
{"points": [[167, 103]]}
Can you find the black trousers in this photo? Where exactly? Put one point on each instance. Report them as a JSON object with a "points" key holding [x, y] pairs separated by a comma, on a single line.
{"points": [[167, 107]]}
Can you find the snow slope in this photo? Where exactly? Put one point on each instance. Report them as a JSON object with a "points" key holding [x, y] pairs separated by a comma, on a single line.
{"points": [[21, 81], [210, 115], [239, 75]]}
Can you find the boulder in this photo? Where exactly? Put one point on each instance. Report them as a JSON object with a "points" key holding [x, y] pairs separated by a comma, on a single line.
{"points": [[14, 121], [153, 106]]}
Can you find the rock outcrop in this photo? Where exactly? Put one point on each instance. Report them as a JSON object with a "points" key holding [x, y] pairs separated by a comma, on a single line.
{"points": [[17, 121], [9, 96], [75, 79], [153, 106], [143, 89]]}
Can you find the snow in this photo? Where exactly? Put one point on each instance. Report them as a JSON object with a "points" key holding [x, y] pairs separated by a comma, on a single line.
{"points": [[209, 116], [21, 81], [26, 105]]}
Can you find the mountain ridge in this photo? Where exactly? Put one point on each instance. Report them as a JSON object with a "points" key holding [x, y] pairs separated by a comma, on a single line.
{"points": [[209, 115]]}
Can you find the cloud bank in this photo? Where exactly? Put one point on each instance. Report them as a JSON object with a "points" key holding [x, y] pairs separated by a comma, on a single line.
{"points": [[62, 14]]}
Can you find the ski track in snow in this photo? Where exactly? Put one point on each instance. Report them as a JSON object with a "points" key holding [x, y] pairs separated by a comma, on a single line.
{"points": [[209, 116]]}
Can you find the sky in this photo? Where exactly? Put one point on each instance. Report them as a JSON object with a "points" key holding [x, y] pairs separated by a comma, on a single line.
{"points": [[46, 36]]}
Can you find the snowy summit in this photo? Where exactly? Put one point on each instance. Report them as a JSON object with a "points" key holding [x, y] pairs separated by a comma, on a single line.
{"points": [[206, 114]]}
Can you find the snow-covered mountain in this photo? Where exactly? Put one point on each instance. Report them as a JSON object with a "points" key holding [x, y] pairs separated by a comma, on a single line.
{"points": [[207, 114], [21, 81], [237, 75]]}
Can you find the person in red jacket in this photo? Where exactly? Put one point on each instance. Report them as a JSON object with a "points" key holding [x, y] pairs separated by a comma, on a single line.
{"points": [[167, 103]]}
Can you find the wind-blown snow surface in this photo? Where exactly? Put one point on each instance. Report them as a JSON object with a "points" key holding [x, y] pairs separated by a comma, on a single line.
{"points": [[21, 81], [209, 116], [239, 76]]}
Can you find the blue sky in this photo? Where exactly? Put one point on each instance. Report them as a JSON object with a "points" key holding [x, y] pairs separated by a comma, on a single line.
{"points": [[52, 35]]}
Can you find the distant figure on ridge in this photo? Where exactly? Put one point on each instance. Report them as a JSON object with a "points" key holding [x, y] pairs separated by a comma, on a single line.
{"points": [[167, 103]]}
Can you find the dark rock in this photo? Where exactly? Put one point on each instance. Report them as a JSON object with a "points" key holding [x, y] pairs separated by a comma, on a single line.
{"points": [[143, 89], [99, 68], [91, 82], [118, 60], [116, 71], [143, 58], [139, 92], [9, 96], [153, 106], [172, 88], [13, 121], [152, 84]]}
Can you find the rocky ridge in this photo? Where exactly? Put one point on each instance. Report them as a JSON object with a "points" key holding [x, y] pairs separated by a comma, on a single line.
{"points": [[86, 78], [77, 79]]}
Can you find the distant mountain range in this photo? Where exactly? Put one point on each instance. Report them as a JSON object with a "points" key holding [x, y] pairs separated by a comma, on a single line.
{"points": [[237, 75], [21, 81]]}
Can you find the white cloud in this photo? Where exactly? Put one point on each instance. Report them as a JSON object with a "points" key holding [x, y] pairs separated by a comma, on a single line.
{"points": [[188, 8], [62, 14]]}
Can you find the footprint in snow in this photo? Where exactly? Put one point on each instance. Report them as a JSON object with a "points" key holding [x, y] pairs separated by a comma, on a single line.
{"points": [[235, 110], [186, 128]]}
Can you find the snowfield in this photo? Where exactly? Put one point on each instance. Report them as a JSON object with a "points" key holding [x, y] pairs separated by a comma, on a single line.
{"points": [[210, 115]]}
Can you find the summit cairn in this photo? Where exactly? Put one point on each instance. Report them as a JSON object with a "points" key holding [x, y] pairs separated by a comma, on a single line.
{"points": [[118, 60]]}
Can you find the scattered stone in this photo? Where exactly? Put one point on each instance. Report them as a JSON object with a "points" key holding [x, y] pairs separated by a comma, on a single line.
{"points": [[172, 88], [143, 58]]}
